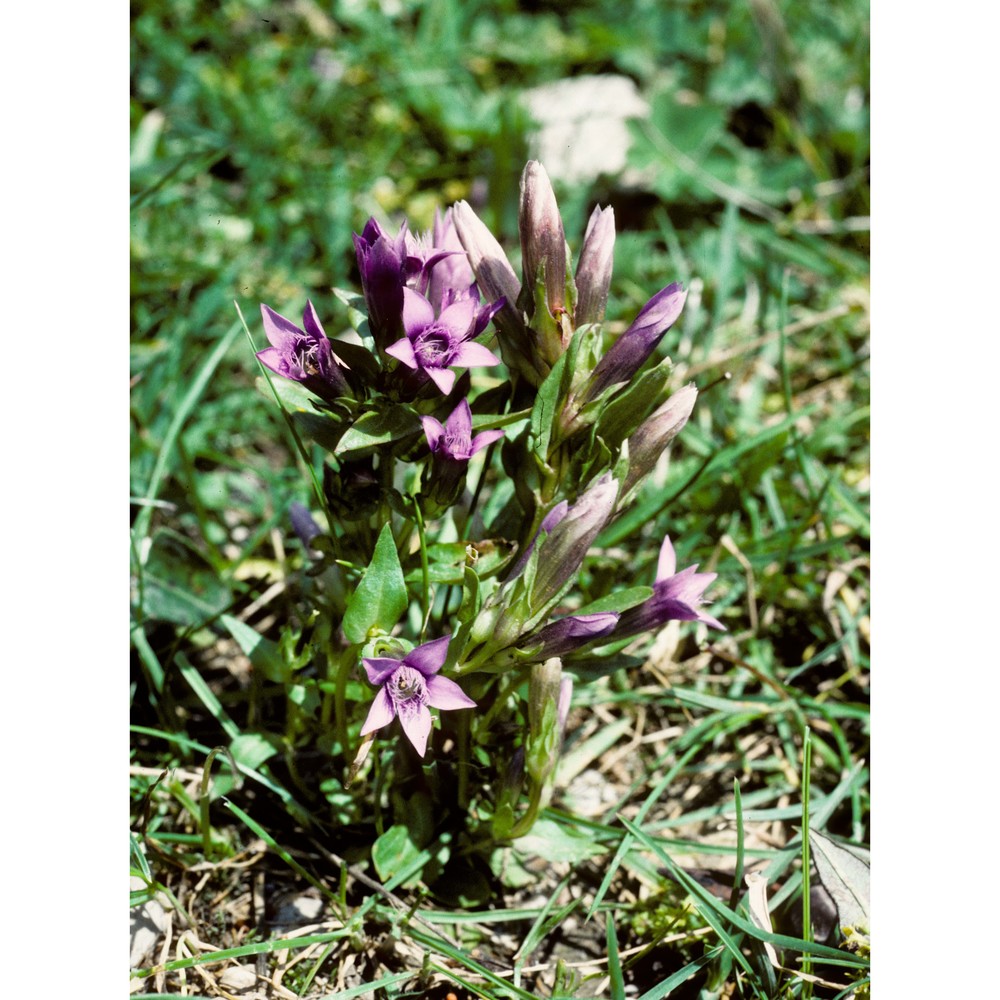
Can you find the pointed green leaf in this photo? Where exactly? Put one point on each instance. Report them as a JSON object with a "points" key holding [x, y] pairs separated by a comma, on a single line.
{"points": [[381, 596], [263, 653], [376, 429]]}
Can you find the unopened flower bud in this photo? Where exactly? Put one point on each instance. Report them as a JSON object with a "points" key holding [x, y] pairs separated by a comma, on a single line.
{"points": [[593, 273], [655, 434], [630, 351], [565, 636], [564, 549], [542, 236]]}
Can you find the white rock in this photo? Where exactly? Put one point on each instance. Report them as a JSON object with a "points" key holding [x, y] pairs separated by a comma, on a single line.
{"points": [[581, 125]]}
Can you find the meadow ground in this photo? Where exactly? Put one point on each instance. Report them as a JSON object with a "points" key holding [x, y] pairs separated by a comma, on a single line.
{"points": [[263, 136]]}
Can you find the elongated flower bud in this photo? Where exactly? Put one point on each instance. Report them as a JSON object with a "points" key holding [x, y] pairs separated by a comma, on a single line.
{"points": [[655, 434], [565, 548], [630, 351], [593, 273], [494, 275], [496, 279], [567, 635], [542, 236]]}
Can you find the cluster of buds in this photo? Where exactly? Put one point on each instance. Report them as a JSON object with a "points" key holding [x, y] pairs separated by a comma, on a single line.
{"points": [[576, 423]]}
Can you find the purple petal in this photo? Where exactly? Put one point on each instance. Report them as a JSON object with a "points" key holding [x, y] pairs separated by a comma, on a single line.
{"points": [[271, 358], [458, 318], [434, 430], [667, 564], [379, 668], [442, 378], [459, 424], [282, 333], [429, 658], [312, 324], [480, 441], [403, 350], [445, 694], [473, 355], [380, 714], [417, 722], [417, 311]]}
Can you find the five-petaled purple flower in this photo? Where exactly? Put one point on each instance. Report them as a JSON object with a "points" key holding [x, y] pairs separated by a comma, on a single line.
{"points": [[408, 686], [435, 343], [453, 439], [676, 597], [302, 355]]}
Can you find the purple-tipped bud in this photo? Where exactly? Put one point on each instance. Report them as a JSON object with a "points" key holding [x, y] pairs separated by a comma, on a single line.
{"points": [[382, 263], [303, 524], [494, 275], [496, 280], [567, 635], [655, 434], [542, 236], [630, 351], [566, 546], [593, 273]]}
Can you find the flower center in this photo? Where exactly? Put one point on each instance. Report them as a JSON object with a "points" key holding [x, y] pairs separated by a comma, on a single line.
{"points": [[306, 354], [433, 348], [456, 444], [407, 688]]}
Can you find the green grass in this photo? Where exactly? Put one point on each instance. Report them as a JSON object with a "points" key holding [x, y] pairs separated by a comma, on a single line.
{"points": [[262, 137]]}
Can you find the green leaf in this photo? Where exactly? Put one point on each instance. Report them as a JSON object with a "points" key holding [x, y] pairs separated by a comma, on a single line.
{"points": [[264, 654], [845, 871], [393, 852], [376, 429], [179, 584], [381, 596], [252, 749], [552, 841], [621, 417], [620, 600]]}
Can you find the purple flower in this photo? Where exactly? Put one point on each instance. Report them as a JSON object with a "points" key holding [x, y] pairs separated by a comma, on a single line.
{"points": [[449, 277], [453, 440], [302, 355], [676, 597], [630, 351], [381, 261], [434, 343], [408, 686], [568, 634]]}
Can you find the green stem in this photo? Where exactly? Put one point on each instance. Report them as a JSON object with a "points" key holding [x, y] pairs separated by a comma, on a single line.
{"points": [[806, 901], [425, 572]]}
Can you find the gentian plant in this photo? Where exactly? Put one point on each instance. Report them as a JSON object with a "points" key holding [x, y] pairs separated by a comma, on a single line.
{"points": [[481, 431]]}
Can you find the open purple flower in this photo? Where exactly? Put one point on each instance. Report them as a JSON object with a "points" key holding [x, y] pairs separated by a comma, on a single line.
{"points": [[302, 355], [408, 686], [676, 597], [435, 343], [453, 439]]}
